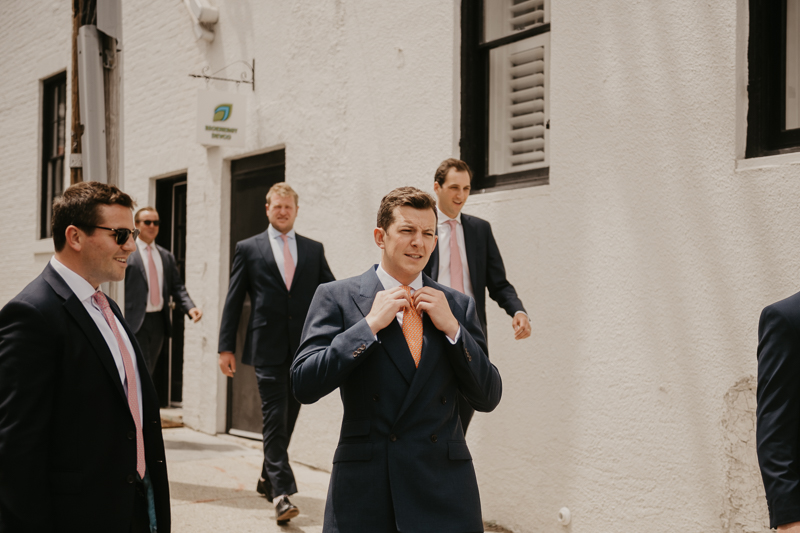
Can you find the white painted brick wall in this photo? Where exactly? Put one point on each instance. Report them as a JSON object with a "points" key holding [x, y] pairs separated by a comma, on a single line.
{"points": [[644, 265]]}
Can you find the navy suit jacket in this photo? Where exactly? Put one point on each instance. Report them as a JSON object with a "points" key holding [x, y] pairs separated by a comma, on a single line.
{"points": [[486, 268], [778, 411], [137, 292], [402, 460], [67, 436], [277, 314]]}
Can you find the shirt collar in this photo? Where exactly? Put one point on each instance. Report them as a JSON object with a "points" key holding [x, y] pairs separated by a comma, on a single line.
{"points": [[274, 234], [142, 245], [444, 218], [82, 288], [389, 282]]}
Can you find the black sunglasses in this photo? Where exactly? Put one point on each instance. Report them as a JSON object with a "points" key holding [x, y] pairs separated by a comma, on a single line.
{"points": [[121, 234], [148, 222]]}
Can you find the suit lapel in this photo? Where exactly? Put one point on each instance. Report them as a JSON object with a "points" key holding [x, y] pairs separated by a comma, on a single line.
{"points": [[391, 337], [265, 247], [432, 349], [166, 267], [470, 245], [78, 312], [303, 250], [433, 262], [137, 261]]}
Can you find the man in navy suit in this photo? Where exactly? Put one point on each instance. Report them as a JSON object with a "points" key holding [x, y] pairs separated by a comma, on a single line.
{"points": [[80, 433], [400, 348], [778, 411], [150, 279], [280, 271], [477, 265]]}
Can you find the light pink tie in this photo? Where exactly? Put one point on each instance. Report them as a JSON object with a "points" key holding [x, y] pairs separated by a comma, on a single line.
{"points": [[456, 269], [288, 262], [130, 376], [151, 267]]}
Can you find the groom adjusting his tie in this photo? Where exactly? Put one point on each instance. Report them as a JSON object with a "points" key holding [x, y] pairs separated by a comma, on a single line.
{"points": [[403, 351]]}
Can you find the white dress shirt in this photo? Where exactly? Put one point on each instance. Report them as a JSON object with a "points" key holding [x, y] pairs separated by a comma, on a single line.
{"points": [[276, 243], [389, 282], [159, 268], [84, 291], [443, 244]]}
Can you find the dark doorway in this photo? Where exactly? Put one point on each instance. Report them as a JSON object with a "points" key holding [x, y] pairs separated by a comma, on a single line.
{"points": [[171, 207], [251, 178]]}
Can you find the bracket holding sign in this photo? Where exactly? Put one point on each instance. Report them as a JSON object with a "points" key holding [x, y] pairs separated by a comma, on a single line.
{"points": [[248, 74]]}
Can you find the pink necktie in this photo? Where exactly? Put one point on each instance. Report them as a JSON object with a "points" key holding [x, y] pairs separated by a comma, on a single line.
{"points": [[456, 270], [130, 376], [151, 267], [288, 262]]}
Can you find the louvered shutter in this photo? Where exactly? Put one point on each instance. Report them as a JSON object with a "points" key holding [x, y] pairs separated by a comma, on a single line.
{"points": [[507, 17], [518, 106]]}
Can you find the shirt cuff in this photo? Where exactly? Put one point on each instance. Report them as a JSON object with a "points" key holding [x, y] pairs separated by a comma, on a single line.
{"points": [[458, 335], [524, 313]]}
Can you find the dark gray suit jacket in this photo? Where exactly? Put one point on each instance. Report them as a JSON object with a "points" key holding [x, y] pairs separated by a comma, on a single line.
{"points": [[778, 411], [486, 269], [67, 437], [277, 314], [402, 454], [137, 291]]}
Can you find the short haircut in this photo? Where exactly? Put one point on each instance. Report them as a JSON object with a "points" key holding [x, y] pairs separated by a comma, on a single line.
{"points": [[283, 189], [79, 206], [403, 196], [142, 210], [447, 164]]}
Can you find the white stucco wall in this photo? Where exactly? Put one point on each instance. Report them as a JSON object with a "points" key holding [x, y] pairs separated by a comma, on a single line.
{"points": [[643, 265]]}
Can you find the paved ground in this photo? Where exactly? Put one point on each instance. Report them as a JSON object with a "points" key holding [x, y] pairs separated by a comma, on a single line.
{"points": [[213, 481]]}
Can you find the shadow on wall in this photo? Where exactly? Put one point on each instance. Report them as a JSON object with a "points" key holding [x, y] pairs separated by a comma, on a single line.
{"points": [[745, 503]]}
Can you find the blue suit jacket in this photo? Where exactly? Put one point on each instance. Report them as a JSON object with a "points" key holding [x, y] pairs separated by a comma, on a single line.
{"points": [[486, 269], [137, 291], [402, 460], [67, 436], [277, 314], [778, 411]]}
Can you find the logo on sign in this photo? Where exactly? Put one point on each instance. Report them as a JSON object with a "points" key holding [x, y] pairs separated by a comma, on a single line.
{"points": [[222, 112]]}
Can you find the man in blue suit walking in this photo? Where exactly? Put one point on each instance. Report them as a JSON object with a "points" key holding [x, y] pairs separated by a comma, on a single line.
{"points": [[400, 348]]}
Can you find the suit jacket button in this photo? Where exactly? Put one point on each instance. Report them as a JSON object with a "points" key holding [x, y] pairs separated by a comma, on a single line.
{"points": [[392, 437], [444, 400], [131, 478], [363, 347], [131, 435], [355, 354], [434, 438], [375, 398], [290, 317]]}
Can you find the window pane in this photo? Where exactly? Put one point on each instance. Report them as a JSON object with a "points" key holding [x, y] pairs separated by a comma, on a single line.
{"points": [[518, 106], [506, 17], [792, 64]]}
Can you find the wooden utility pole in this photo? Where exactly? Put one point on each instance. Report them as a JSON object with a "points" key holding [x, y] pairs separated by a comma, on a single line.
{"points": [[76, 130]]}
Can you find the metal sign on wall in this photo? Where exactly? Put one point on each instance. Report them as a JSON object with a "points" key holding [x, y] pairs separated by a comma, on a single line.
{"points": [[221, 118]]}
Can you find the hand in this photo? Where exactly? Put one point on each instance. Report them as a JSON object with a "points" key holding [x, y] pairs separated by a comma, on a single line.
{"points": [[385, 308], [521, 325], [794, 527], [227, 363], [434, 303], [196, 314]]}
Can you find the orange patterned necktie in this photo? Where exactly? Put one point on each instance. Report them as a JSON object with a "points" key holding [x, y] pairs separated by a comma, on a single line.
{"points": [[412, 330]]}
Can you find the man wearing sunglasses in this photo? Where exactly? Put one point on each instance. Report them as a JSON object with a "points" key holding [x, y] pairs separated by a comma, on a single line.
{"points": [[150, 279], [80, 434]]}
